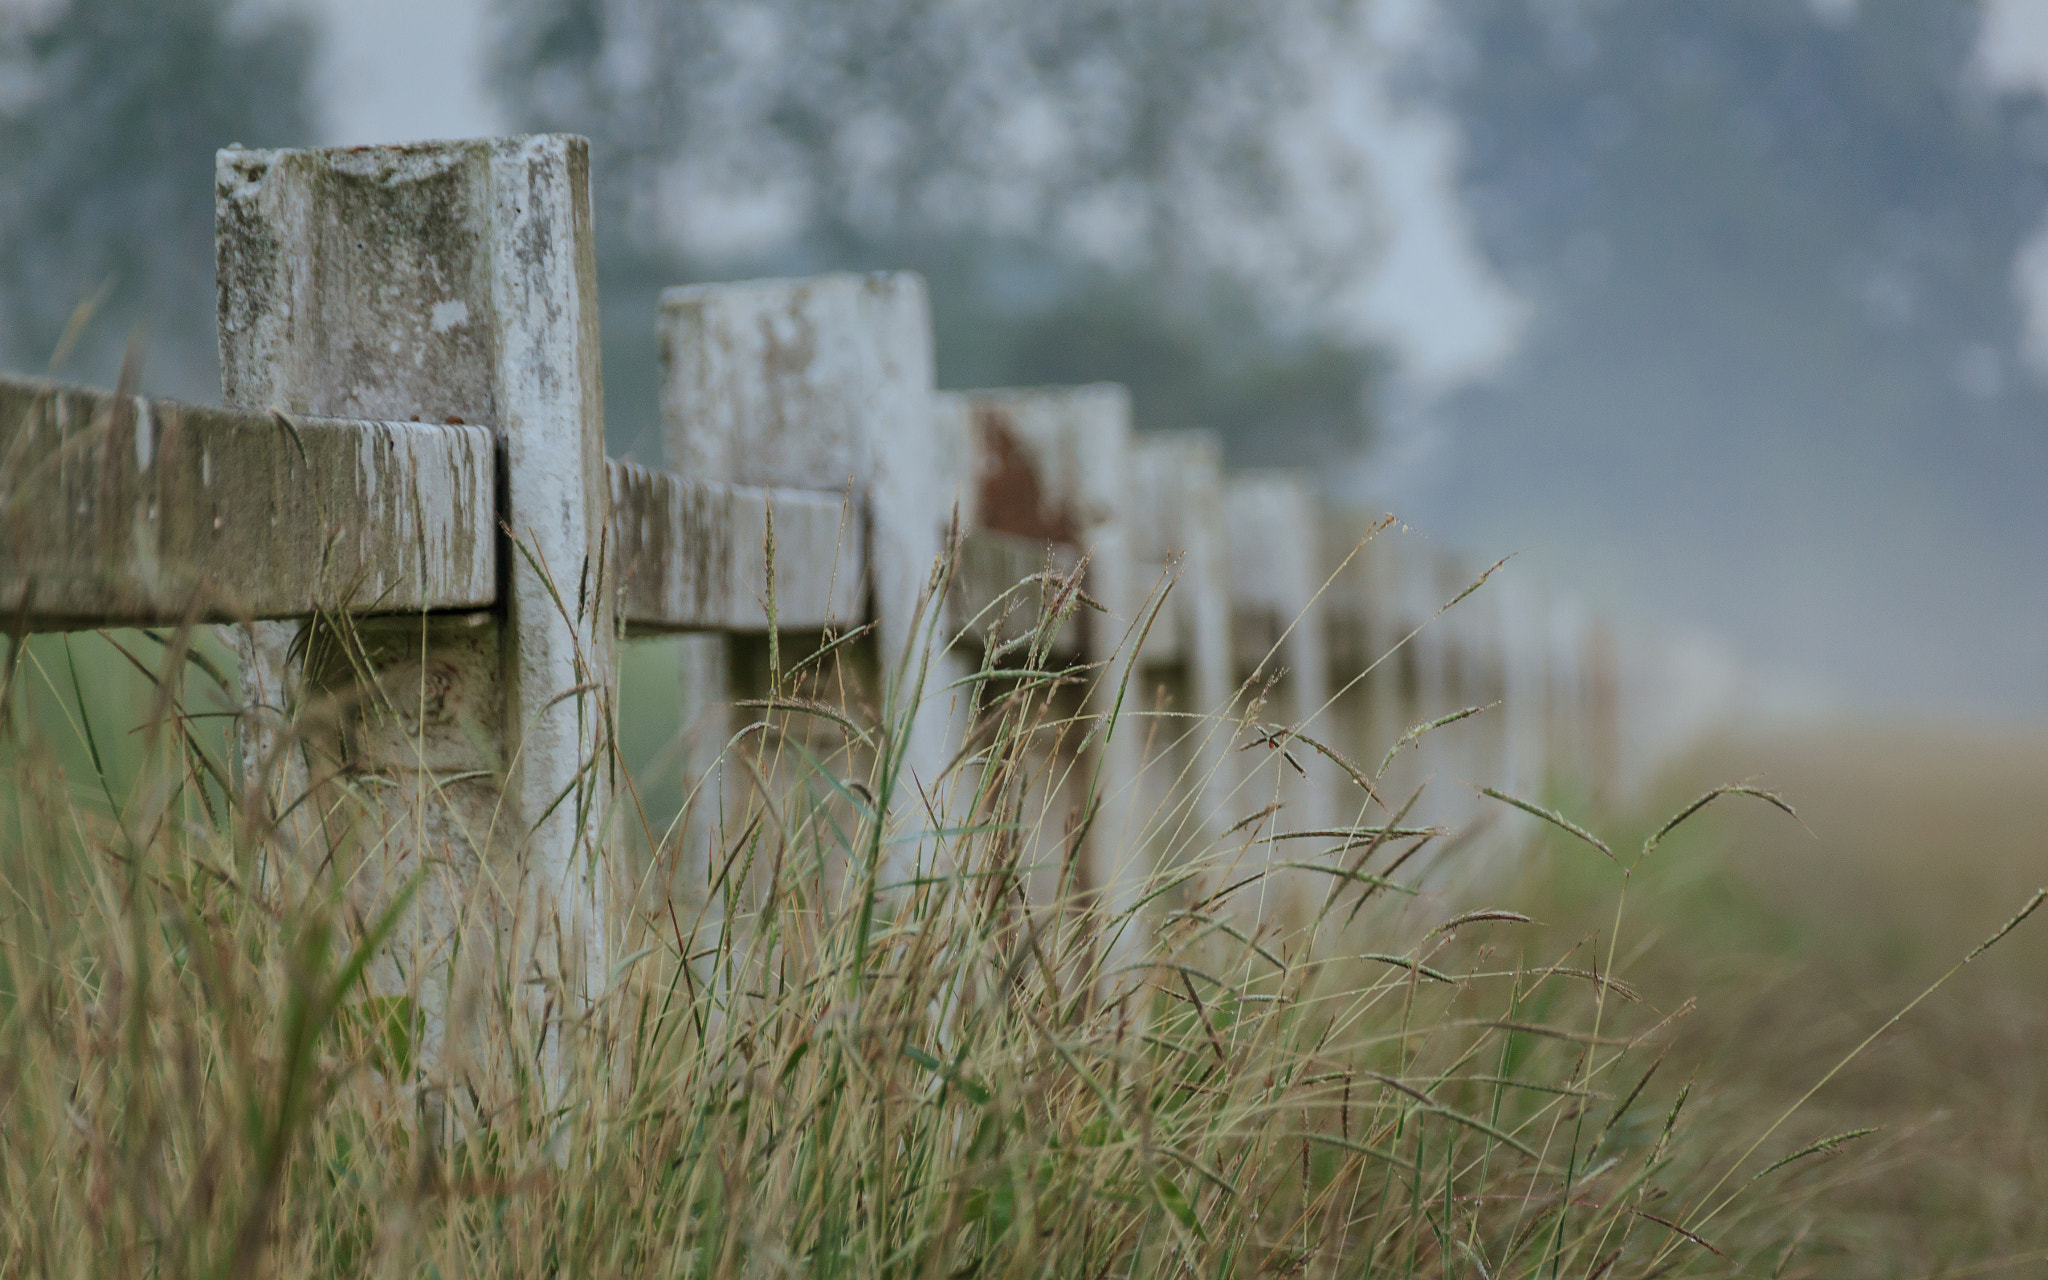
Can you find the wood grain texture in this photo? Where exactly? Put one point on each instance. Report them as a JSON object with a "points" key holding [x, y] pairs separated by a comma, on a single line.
{"points": [[125, 511], [694, 555]]}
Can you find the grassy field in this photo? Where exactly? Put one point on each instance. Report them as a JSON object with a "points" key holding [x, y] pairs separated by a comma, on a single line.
{"points": [[1919, 840], [940, 1078]]}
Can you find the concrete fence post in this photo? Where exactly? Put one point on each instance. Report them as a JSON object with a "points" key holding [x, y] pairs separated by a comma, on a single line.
{"points": [[1274, 528], [1055, 466], [1365, 665], [1522, 697], [821, 384], [1049, 472], [1177, 523], [1464, 641], [1415, 593], [1567, 690], [450, 282]]}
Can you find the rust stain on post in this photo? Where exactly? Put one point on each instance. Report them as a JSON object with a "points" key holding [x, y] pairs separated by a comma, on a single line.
{"points": [[1013, 498]]}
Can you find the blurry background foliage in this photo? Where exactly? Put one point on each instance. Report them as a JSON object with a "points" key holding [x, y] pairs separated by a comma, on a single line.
{"points": [[109, 117], [1095, 189], [1783, 263]]}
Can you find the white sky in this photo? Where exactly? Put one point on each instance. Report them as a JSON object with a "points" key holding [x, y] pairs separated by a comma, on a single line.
{"points": [[2012, 45], [2012, 57]]}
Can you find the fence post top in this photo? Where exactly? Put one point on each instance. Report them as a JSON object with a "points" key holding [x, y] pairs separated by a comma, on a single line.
{"points": [[436, 280], [906, 285], [1272, 496], [370, 158], [1176, 492], [1191, 457], [1191, 442], [239, 171], [804, 383], [1107, 398], [1064, 450]]}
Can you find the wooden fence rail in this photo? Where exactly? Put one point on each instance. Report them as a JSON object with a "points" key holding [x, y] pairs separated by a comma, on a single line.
{"points": [[410, 472]]}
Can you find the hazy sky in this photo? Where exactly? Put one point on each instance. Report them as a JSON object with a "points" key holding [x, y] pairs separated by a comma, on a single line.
{"points": [[1782, 378]]}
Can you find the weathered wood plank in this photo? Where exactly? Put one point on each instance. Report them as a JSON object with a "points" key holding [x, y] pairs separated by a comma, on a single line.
{"points": [[126, 511], [693, 555]]}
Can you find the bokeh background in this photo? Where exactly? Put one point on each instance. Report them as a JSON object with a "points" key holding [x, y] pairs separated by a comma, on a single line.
{"points": [[1733, 316]]}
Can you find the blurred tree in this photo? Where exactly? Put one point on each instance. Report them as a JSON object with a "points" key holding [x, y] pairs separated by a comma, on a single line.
{"points": [[1160, 192], [109, 117]]}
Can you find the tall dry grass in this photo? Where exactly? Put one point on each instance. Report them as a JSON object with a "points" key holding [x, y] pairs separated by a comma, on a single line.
{"points": [[803, 1061]]}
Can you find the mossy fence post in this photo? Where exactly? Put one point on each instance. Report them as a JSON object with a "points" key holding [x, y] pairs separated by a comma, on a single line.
{"points": [[449, 283]]}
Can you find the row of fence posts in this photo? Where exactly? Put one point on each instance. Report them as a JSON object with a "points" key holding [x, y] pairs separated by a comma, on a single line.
{"points": [[407, 509]]}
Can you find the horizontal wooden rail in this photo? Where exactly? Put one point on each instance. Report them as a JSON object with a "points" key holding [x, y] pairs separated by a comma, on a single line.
{"points": [[694, 555], [121, 510]]}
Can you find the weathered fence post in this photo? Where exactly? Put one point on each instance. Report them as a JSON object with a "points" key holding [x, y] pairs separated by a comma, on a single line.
{"points": [[1567, 689], [1052, 469], [1273, 524], [1364, 637], [821, 384], [1414, 594], [1601, 710], [1526, 643], [452, 282], [1459, 751], [1177, 522]]}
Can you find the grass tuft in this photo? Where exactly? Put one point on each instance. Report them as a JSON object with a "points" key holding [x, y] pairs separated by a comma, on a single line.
{"points": [[797, 1066]]}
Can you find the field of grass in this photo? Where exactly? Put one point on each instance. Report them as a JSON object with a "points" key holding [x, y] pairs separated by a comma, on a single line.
{"points": [[1919, 840], [937, 1077]]}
